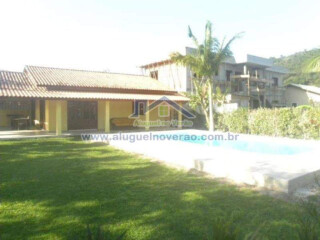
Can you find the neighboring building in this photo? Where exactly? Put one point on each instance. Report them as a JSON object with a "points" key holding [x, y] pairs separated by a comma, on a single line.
{"points": [[65, 99], [256, 82], [297, 94]]}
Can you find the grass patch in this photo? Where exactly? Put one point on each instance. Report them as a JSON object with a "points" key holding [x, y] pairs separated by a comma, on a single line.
{"points": [[52, 188]]}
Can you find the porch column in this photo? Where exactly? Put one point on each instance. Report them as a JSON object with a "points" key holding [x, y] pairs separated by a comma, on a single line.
{"points": [[107, 117], [58, 118], [37, 110], [147, 116], [47, 115], [180, 117]]}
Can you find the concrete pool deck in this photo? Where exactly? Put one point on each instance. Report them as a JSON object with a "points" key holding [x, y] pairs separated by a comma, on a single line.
{"points": [[286, 173]]}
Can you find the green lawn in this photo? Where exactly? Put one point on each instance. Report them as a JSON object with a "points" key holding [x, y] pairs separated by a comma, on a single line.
{"points": [[52, 188]]}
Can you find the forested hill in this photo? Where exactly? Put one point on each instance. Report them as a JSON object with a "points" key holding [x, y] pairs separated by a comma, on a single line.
{"points": [[295, 64]]}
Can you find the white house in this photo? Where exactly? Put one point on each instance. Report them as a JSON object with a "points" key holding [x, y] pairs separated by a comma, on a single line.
{"points": [[255, 82]]}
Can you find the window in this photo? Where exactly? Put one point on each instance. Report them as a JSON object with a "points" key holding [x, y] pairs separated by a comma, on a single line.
{"points": [[163, 111], [275, 82], [294, 104], [228, 75], [154, 74], [141, 109], [15, 105]]}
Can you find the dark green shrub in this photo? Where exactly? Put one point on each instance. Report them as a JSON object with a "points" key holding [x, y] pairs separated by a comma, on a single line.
{"points": [[219, 122], [199, 122]]}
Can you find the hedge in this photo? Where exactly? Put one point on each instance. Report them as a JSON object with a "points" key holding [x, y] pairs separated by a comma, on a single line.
{"points": [[299, 122]]}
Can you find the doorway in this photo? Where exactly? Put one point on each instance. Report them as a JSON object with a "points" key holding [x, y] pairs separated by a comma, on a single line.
{"points": [[82, 115]]}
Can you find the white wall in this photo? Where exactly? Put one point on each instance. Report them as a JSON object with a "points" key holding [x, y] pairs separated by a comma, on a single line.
{"points": [[172, 75], [300, 96]]}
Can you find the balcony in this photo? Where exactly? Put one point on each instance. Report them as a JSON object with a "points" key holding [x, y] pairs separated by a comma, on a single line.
{"points": [[250, 78]]}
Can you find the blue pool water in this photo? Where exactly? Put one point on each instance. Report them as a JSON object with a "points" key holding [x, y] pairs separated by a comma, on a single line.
{"points": [[251, 146]]}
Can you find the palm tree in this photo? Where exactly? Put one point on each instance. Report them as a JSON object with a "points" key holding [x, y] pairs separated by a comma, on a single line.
{"points": [[313, 65], [204, 63]]}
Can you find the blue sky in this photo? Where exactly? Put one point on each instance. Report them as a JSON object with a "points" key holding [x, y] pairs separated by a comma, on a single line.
{"points": [[120, 35]]}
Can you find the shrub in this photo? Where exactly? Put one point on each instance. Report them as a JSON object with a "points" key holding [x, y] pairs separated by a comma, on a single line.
{"points": [[309, 122], [262, 121], [300, 122], [236, 121]]}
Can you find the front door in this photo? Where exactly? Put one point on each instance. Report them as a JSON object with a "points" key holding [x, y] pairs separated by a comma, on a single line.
{"points": [[82, 115]]}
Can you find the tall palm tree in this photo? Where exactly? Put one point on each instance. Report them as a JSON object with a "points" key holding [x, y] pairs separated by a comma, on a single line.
{"points": [[204, 63]]}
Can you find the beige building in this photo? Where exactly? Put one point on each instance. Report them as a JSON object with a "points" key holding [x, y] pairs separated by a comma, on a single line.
{"points": [[297, 94], [59, 100], [255, 82]]}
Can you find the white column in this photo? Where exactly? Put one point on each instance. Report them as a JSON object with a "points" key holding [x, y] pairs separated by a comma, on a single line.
{"points": [[107, 117], [58, 118], [147, 117], [47, 115], [180, 117]]}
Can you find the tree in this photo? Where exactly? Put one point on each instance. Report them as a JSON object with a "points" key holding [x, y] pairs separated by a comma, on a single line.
{"points": [[313, 65], [204, 63]]}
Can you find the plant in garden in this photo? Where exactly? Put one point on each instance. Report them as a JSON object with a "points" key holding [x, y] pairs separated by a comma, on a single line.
{"points": [[309, 215], [98, 234], [299, 122], [237, 121], [227, 230], [204, 63]]}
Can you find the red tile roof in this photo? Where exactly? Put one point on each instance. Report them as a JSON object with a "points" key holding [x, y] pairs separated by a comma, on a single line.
{"points": [[37, 82], [45, 76]]}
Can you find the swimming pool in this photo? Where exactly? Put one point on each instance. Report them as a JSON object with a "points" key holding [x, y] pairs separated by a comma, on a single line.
{"points": [[274, 163], [251, 145]]}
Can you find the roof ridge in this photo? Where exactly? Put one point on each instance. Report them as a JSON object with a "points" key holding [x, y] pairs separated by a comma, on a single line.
{"points": [[310, 88], [83, 70], [10, 71]]}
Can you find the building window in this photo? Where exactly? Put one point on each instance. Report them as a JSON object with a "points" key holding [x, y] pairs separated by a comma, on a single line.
{"points": [[275, 82], [294, 104], [15, 105], [154, 74], [163, 111], [228, 75], [142, 109]]}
